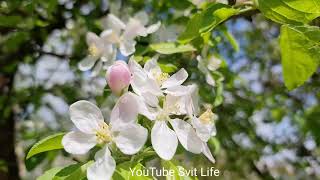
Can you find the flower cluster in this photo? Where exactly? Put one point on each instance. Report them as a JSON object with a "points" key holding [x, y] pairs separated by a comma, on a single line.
{"points": [[158, 96]]}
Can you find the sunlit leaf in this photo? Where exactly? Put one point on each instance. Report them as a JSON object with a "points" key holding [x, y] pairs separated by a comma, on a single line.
{"points": [[47, 144], [300, 52], [73, 172], [280, 11], [205, 21], [171, 48], [49, 175]]}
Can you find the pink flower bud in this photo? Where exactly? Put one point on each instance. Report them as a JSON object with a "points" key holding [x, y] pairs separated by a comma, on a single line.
{"points": [[118, 77]]}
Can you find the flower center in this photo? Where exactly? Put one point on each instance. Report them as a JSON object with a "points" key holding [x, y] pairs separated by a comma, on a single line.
{"points": [[162, 116], [103, 134], [160, 76], [93, 50], [207, 117]]}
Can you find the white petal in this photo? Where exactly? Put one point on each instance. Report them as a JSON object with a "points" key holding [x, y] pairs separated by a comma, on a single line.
{"points": [[176, 79], [175, 104], [193, 101], [153, 28], [114, 23], [76, 142], [125, 111], [92, 38], [142, 16], [133, 29], [150, 99], [152, 65], [187, 136], [140, 82], [145, 108], [164, 140], [127, 47], [210, 80], [97, 68], [103, 167], [131, 138], [179, 90], [203, 130], [86, 116], [206, 151], [110, 36], [87, 63]]}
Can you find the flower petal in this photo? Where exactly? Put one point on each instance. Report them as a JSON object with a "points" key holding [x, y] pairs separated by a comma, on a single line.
{"points": [[152, 65], [76, 142], [153, 28], [203, 130], [187, 136], [114, 23], [150, 99], [97, 68], [140, 82], [206, 151], [87, 63], [86, 116], [127, 47], [176, 79], [175, 105], [164, 140], [125, 111], [131, 138], [142, 16], [92, 38], [179, 90], [133, 29], [210, 80], [103, 167]]}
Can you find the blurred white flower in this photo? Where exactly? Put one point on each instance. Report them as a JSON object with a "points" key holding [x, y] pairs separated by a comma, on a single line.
{"points": [[100, 53], [52, 71], [208, 65], [91, 130], [123, 35]]}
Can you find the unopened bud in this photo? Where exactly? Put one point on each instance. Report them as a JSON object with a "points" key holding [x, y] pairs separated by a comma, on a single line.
{"points": [[118, 77]]}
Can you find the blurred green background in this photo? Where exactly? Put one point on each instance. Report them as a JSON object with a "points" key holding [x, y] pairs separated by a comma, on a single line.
{"points": [[263, 132]]}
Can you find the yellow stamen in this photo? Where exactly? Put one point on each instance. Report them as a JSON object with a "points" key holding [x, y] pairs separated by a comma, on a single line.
{"points": [[207, 117], [160, 77], [93, 50], [103, 134]]}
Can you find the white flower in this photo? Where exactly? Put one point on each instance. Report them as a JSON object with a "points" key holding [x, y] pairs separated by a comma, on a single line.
{"points": [[208, 65], [98, 50], [150, 82], [165, 140], [204, 124], [92, 130], [124, 35]]}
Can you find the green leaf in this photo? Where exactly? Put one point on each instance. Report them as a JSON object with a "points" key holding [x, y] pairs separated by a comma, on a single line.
{"points": [[73, 172], [168, 67], [34, 161], [308, 6], [124, 171], [285, 12], [49, 175], [47, 144], [203, 22], [232, 40], [300, 52], [171, 48]]}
